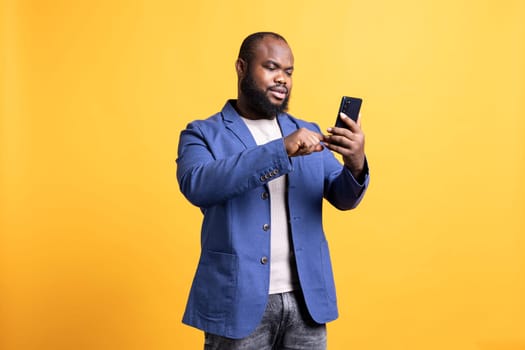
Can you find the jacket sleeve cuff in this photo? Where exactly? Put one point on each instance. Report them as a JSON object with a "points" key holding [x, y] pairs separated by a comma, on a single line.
{"points": [[363, 180], [281, 162]]}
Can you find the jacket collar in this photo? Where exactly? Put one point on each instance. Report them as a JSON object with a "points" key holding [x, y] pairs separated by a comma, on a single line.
{"points": [[233, 121]]}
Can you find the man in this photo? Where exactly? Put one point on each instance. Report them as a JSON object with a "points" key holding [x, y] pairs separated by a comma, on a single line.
{"points": [[259, 175]]}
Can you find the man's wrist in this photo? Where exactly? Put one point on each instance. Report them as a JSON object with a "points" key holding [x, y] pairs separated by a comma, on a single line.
{"points": [[360, 173]]}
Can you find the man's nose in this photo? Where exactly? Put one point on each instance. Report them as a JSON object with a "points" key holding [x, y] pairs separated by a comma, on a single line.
{"points": [[280, 79]]}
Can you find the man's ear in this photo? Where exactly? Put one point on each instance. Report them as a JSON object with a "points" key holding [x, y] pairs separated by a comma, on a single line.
{"points": [[241, 67]]}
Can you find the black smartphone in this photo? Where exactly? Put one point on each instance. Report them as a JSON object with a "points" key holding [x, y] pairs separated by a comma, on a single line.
{"points": [[349, 106]]}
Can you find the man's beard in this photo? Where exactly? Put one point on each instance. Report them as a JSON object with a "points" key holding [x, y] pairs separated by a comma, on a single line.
{"points": [[259, 102]]}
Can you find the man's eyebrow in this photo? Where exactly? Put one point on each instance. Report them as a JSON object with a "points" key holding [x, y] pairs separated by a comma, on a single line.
{"points": [[278, 65]]}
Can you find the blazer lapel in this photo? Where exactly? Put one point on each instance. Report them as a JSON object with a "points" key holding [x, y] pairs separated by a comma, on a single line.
{"points": [[287, 125], [233, 122]]}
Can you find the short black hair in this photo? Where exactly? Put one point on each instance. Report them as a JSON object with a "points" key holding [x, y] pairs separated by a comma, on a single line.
{"points": [[248, 45]]}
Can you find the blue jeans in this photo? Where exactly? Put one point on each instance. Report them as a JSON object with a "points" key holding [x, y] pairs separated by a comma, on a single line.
{"points": [[286, 325]]}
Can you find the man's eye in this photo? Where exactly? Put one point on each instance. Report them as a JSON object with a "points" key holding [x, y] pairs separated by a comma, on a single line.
{"points": [[289, 73]]}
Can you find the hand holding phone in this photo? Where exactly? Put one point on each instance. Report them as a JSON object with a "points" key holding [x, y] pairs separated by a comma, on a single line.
{"points": [[349, 106], [349, 144]]}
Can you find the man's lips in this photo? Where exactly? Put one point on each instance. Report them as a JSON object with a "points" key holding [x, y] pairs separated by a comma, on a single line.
{"points": [[279, 92]]}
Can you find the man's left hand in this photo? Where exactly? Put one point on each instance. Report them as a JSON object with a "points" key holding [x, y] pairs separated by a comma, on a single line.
{"points": [[350, 143]]}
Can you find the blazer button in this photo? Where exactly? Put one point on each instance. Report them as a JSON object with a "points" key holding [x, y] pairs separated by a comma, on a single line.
{"points": [[264, 260], [262, 178], [264, 195], [266, 227]]}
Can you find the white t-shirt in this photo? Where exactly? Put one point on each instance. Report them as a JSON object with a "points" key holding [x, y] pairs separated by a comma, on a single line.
{"points": [[283, 274]]}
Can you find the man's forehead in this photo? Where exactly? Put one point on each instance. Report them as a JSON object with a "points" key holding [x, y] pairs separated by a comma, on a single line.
{"points": [[273, 48]]}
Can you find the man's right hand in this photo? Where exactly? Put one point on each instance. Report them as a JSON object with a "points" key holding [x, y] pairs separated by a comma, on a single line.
{"points": [[303, 142]]}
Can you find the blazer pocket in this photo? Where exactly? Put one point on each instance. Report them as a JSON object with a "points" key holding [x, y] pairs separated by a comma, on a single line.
{"points": [[215, 283]]}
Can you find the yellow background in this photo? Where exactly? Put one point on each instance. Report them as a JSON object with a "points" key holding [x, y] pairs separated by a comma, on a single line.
{"points": [[98, 247]]}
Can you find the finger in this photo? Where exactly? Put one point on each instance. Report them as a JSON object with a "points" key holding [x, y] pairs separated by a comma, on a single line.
{"points": [[319, 147], [345, 139], [319, 136], [338, 149], [314, 139], [348, 121], [339, 131]]}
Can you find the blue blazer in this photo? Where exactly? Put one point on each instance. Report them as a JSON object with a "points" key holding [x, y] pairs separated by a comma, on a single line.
{"points": [[221, 169]]}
